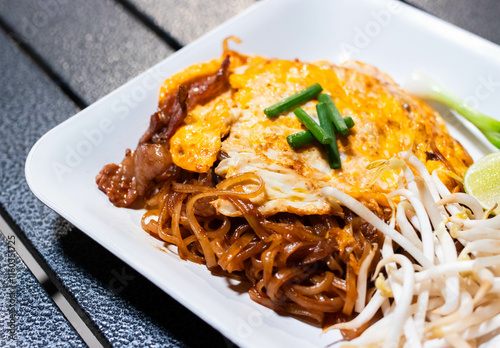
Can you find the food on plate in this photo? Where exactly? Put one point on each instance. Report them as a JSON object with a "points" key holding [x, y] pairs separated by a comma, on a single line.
{"points": [[292, 176]]}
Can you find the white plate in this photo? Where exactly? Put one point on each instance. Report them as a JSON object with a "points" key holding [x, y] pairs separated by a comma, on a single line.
{"points": [[396, 38]]}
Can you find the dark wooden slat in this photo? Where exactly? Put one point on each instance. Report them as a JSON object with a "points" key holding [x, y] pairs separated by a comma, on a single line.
{"points": [[47, 69], [95, 46], [478, 16], [150, 23], [187, 20], [29, 316], [119, 305]]}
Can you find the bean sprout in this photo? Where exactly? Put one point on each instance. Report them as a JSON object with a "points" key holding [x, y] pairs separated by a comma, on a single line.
{"points": [[442, 284]]}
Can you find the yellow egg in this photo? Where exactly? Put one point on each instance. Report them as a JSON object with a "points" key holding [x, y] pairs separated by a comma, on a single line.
{"points": [[195, 144], [387, 121]]}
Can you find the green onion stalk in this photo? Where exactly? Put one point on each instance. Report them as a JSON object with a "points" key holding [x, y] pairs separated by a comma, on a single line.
{"points": [[423, 85], [293, 100], [317, 131], [336, 118], [305, 137], [332, 151]]}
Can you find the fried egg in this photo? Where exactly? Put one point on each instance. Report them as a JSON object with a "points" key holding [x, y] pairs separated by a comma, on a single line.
{"points": [[387, 121]]}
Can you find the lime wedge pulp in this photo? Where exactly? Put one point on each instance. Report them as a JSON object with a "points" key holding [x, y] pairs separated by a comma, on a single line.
{"points": [[482, 180]]}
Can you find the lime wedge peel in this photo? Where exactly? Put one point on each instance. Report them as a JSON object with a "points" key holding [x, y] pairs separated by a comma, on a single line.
{"points": [[482, 180]]}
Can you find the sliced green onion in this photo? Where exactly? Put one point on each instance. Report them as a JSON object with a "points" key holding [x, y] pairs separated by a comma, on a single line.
{"points": [[332, 150], [349, 122], [337, 119], [316, 130], [293, 100], [305, 137], [300, 139]]}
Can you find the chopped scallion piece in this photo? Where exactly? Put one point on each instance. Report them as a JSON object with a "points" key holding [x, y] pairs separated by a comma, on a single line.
{"points": [[332, 150], [306, 137], [300, 139], [337, 119], [316, 130], [293, 100], [349, 122]]}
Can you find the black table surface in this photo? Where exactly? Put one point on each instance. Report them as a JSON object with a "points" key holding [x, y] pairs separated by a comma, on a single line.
{"points": [[57, 57]]}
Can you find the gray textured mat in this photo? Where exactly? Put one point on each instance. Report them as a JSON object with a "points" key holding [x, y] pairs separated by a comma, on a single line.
{"points": [[29, 316]]}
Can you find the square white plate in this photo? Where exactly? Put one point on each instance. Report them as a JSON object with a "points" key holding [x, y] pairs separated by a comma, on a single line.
{"points": [[394, 37]]}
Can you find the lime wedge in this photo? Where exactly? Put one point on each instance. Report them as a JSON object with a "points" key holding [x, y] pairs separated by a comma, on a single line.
{"points": [[482, 180]]}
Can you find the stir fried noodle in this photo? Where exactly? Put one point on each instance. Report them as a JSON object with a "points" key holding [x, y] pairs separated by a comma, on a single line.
{"points": [[295, 265]]}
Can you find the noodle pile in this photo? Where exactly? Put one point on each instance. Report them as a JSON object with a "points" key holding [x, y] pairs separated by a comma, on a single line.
{"points": [[306, 267]]}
